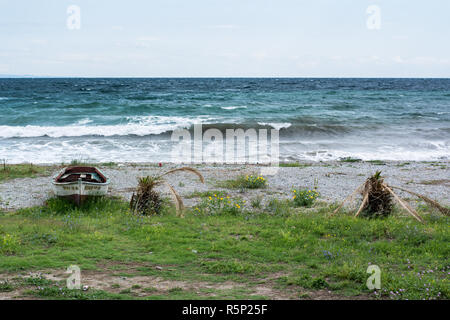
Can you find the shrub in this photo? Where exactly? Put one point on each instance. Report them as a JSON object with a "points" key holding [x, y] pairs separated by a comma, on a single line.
{"points": [[219, 205], [256, 202], [252, 181], [8, 243], [305, 197], [147, 200]]}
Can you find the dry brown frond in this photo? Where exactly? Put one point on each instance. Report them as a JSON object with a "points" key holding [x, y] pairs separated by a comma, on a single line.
{"points": [[405, 205], [188, 169], [349, 198], [179, 205], [431, 202], [364, 202]]}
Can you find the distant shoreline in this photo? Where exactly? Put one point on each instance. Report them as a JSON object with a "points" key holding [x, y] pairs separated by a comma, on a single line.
{"points": [[211, 77]]}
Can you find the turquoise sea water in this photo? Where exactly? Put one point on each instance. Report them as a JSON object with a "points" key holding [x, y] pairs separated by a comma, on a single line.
{"points": [[55, 120]]}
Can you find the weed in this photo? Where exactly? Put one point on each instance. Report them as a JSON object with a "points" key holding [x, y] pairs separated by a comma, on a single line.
{"points": [[278, 207], [9, 243], [294, 165], [219, 205], [6, 286], [256, 202], [377, 162], [304, 197], [13, 171], [252, 181], [350, 159], [203, 194]]}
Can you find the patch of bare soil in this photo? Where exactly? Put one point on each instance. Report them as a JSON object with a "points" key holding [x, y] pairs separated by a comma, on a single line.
{"points": [[142, 286]]}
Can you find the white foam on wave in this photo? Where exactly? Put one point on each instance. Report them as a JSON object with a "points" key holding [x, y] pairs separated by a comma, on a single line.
{"points": [[314, 151], [276, 126], [105, 149], [139, 125], [234, 107], [67, 150], [84, 121]]}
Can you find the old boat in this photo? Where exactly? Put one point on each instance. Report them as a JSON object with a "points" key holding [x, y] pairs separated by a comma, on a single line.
{"points": [[80, 183]]}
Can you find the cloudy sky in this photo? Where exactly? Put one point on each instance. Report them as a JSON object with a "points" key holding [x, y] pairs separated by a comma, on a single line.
{"points": [[227, 38]]}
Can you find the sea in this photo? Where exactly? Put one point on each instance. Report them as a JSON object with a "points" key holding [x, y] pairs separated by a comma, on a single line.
{"points": [[58, 120]]}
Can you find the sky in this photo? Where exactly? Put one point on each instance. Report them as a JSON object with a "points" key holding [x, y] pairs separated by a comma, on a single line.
{"points": [[227, 38]]}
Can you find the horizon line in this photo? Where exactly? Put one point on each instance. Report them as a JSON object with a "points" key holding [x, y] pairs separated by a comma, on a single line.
{"points": [[208, 77]]}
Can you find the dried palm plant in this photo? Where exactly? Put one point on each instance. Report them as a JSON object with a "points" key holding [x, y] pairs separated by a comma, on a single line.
{"points": [[148, 201], [378, 199]]}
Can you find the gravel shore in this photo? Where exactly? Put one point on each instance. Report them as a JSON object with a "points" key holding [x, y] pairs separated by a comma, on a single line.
{"points": [[335, 181]]}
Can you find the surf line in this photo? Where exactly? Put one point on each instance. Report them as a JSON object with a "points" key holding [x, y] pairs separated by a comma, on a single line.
{"points": [[193, 310]]}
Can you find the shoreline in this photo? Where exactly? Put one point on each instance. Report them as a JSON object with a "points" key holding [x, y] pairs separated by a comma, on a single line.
{"points": [[281, 163], [335, 180]]}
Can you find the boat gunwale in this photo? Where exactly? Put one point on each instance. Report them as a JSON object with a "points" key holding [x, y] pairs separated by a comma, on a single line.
{"points": [[82, 182], [61, 173]]}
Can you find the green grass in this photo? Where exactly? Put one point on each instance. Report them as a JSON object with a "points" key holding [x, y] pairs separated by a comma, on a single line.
{"points": [[252, 181], [294, 165], [205, 194], [349, 159], [81, 162], [290, 249], [13, 171], [377, 162], [403, 164]]}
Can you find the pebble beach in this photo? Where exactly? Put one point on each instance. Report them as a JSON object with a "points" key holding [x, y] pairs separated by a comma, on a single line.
{"points": [[335, 181]]}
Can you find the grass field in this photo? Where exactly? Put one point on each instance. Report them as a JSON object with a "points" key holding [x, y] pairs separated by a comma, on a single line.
{"points": [[285, 252], [12, 171]]}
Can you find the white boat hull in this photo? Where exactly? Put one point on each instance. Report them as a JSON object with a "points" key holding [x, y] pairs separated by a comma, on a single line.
{"points": [[82, 189]]}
